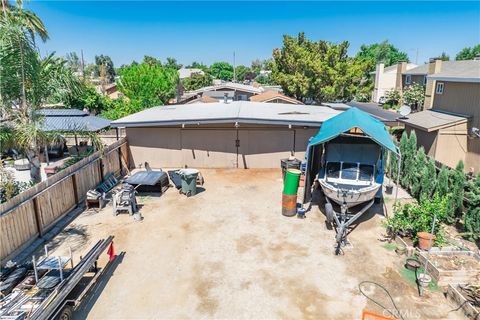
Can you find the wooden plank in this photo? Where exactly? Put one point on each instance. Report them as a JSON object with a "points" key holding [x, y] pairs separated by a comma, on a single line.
{"points": [[38, 219]]}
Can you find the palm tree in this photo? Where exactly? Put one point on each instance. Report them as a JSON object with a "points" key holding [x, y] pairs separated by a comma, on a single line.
{"points": [[27, 82], [27, 18]]}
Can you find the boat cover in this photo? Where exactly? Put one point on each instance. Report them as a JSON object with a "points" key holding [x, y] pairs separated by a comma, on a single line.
{"points": [[354, 118]]}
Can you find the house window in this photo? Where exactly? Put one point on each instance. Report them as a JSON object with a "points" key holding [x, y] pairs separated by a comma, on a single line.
{"points": [[439, 88], [408, 79]]}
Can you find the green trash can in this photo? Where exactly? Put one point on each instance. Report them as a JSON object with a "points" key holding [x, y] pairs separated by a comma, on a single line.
{"points": [[189, 181], [292, 178]]}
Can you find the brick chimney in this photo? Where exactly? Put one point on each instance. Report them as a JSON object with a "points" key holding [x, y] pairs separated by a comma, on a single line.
{"points": [[434, 67], [401, 68]]}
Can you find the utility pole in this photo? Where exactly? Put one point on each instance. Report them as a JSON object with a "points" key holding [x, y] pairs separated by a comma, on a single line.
{"points": [[234, 73], [83, 64]]}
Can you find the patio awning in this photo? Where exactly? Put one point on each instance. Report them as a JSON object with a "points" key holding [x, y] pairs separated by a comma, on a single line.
{"points": [[72, 120], [350, 119]]}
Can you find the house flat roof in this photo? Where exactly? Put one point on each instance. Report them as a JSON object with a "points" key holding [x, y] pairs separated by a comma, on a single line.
{"points": [[236, 111], [71, 120], [433, 120]]}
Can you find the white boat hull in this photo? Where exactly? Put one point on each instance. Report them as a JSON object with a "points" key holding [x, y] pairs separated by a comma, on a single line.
{"points": [[355, 194]]}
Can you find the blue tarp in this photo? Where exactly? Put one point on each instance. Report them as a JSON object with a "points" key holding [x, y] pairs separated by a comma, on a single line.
{"points": [[354, 118]]}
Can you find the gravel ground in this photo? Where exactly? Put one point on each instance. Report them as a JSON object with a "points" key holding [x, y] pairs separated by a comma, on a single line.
{"points": [[228, 253]]}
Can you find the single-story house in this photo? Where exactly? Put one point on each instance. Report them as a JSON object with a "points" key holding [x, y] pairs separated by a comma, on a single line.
{"points": [[231, 91], [239, 134], [274, 97]]}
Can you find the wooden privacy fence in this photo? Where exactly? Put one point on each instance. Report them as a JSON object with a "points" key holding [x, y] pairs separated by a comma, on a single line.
{"points": [[30, 214]]}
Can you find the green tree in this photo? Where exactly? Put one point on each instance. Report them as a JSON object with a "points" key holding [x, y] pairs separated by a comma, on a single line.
{"points": [[383, 52], [403, 151], [428, 180], [409, 160], [472, 215], [27, 82], [30, 22], [393, 99], [442, 182], [468, 53], [414, 96], [457, 190], [104, 68], [444, 56], [242, 73], [197, 81], [148, 85], [151, 60], [73, 61], [417, 173], [198, 65], [321, 71], [173, 64], [222, 71], [88, 99]]}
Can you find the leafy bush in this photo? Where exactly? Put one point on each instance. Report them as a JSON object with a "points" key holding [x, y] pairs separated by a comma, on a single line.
{"points": [[414, 96], [412, 218], [457, 190], [393, 99], [9, 188]]}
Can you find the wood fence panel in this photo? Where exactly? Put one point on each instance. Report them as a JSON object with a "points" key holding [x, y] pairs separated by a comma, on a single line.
{"points": [[59, 200], [17, 228], [111, 163], [87, 178]]}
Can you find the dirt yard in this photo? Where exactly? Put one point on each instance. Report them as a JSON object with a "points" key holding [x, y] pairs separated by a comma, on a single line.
{"points": [[228, 253]]}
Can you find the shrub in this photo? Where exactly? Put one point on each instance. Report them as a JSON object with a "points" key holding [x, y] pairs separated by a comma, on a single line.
{"points": [[412, 218], [442, 182], [457, 190], [9, 188], [472, 215], [393, 98]]}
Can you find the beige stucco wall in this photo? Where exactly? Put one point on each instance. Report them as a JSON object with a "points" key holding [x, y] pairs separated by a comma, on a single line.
{"points": [[215, 147]]}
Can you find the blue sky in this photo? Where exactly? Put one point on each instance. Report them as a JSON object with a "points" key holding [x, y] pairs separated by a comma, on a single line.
{"points": [[211, 31]]}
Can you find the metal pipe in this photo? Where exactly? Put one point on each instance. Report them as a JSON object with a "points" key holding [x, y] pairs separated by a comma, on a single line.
{"points": [[398, 174]]}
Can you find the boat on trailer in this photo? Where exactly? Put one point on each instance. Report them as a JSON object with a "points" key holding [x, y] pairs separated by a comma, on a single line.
{"points": [[346, 158]]}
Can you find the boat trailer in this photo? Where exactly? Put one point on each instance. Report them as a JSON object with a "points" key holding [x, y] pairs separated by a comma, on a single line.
{"points": [[343, 219]]}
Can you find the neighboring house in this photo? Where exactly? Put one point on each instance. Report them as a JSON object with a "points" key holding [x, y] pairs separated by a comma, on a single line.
{"points": [[200, 99], [239, 134], [110, 90], [187, 72], [274, 97], [389, 78], [452, 110], [229, 91]]}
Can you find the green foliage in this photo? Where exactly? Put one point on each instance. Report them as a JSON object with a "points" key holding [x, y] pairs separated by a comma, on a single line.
{"points": [[412, 218], [472, 215], [90, 99], [383, 52], [243, 73], [120, 108], [468, 53], [457, 190], [9, 188], [409, 159], [416, 175], [321, 71], [172, 64], [444, 56], [393, 99], [428, 179], [222, 71], [73, 61], [198, 65], [151, 61], [414, 96], [75, 159], [148, 85], [442, 182], [104, 68], [197, 81], [264, 79]]}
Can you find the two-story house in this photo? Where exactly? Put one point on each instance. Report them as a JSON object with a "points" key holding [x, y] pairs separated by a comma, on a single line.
{"points": [[389, 78], [451, 113]]}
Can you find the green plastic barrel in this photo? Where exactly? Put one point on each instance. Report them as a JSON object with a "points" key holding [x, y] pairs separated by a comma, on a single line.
{"points": [[292, 179]]}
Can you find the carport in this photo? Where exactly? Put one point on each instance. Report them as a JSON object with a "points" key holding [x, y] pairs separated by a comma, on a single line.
{"points": [[239, 134]]}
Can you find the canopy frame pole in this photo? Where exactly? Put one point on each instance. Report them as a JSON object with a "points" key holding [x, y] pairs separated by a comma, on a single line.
{"points": [[398, 174]]}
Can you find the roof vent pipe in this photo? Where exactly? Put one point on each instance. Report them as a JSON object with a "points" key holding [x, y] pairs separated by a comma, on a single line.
{"points": [[225, 97]]}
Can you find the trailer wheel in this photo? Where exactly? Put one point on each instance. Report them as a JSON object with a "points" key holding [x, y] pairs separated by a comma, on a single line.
{"points": [[329, 212], [66, 313]]}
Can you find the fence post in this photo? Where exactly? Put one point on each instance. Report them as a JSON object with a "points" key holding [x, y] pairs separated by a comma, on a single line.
{"points": [[38, 219], [120, 159], [75, 190], [100, 163]]}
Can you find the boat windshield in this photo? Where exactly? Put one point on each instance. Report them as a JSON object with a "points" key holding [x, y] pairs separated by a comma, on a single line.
{"points": [[349, 171], [333, 170], [366, 172]]}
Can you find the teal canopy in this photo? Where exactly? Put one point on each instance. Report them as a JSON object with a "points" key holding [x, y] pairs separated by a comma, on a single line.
{"points": [[354, 118]]}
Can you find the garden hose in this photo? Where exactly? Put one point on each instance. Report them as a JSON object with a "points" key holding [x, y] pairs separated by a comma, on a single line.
{"points": [[399, 314]]}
